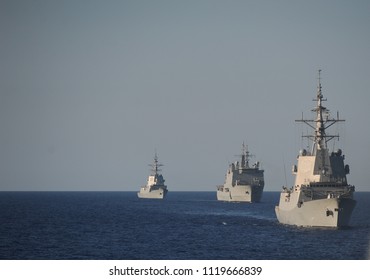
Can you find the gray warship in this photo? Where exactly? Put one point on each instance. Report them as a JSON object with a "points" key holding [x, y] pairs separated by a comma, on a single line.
{"points": [[321, 196], [155, 187], [242, 182]]}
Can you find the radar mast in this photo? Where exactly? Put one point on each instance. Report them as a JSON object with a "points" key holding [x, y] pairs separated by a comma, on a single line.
{"points": [[321, 123], [245, 157], [155, 165]]}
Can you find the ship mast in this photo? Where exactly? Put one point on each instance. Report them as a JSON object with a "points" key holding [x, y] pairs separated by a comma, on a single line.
{"points": [[245, 156], [155, 165], [321, 123]]}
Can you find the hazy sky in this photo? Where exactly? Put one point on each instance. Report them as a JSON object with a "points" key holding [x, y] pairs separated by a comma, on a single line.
{"points": [[90, 89]]}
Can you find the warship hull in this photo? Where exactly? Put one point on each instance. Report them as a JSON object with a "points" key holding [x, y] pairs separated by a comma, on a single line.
{"points": [[328, 212], [241, 193], [159, 193]]}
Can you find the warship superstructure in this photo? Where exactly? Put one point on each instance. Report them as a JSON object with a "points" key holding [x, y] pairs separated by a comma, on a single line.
{"points": [[155, 187], [321, 196], [243, 183]]}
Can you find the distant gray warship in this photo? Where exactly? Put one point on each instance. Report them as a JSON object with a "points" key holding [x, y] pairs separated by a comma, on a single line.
{"points": [[155, 187], [321, 195], [242, 182]]}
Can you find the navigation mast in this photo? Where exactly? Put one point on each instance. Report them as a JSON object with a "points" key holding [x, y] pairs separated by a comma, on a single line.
{"points": [[245, 157], [155, 165], [321, 123]]}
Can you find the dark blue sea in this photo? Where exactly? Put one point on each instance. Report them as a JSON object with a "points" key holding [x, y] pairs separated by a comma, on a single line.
{"points": [[185, 225]]}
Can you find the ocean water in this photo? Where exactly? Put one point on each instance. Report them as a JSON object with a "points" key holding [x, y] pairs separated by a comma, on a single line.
{"points": [[186, 225]]}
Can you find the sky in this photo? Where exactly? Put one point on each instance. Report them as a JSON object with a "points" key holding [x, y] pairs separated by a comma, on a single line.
{"points": [[89, 90]]}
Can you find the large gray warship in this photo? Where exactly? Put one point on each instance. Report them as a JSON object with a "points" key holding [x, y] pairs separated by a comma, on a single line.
{"points": [[155, 187], [242, 182], [321, 196]]}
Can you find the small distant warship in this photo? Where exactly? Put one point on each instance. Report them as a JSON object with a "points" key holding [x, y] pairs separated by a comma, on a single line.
{"points": [[242, 182], [321, 196], [155, 187]]}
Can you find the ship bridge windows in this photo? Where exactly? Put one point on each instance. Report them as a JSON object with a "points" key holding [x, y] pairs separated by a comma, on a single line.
{"points": [[326, 184]]}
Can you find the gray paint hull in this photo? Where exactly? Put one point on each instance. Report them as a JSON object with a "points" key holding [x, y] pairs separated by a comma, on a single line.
{"points": [[241, 193], [329, 212], [154, 194]]}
